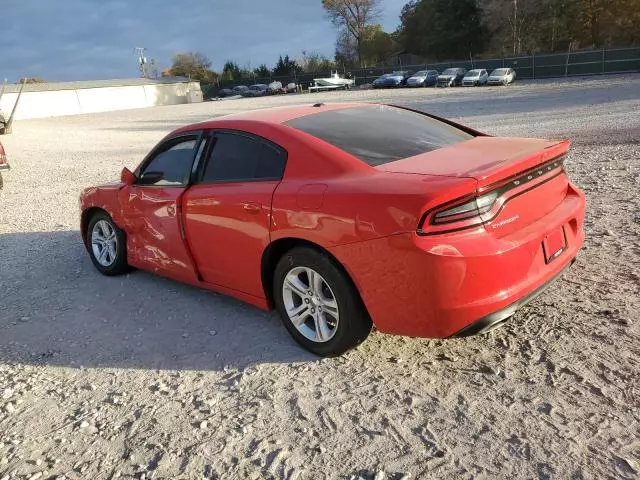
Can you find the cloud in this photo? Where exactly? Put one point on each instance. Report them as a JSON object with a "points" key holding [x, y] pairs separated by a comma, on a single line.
{"points": [[95, 39]]}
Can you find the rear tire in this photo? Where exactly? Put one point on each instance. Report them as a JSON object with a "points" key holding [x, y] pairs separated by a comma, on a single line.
{"points": [[318, 303], [107, 245]]}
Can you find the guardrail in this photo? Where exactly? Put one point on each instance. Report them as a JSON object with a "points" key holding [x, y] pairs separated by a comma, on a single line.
{"points": [[540, 65]]}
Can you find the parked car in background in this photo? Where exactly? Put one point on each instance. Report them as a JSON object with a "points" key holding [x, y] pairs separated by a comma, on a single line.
{"points": [[291, 88], [274, 88], [240, 89], [4, 163], [474, 78], [393, 79], [502, 76], [483, 225], [226, 92], [423, 78], [451, 77], [257, 90], [379, 82]]}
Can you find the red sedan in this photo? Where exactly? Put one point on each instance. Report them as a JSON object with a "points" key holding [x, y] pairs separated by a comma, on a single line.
{"points": [[342, 216], [4, 164]]}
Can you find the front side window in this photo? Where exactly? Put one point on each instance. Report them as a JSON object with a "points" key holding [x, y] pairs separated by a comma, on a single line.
{"points": [[380, 134], [171, 166], [238, 157]]}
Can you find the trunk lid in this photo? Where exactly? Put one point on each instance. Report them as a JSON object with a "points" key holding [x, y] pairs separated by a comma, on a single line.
{"points": [[487, 159], [528, 183]]}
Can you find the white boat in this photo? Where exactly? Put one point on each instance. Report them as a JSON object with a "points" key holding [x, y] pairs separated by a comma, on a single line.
{"points": [[334, 81]]}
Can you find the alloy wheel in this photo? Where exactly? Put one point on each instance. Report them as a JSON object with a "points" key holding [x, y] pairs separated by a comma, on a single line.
{"points": [[310, 304], [104, 243]]}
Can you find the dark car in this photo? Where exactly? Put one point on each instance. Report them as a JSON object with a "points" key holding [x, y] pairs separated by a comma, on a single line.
{"points": [[226, 92], [393, 79], [240, 89], [4, 164], [451, 77], [423, 78]]}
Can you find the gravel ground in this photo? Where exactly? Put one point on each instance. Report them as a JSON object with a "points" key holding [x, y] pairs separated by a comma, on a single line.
{"points": [[141, 377]]}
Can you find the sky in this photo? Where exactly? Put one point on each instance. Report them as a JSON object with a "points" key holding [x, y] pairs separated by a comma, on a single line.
{"points": [[66, 40]]}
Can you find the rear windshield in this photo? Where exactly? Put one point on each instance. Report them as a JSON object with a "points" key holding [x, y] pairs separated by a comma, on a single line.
{"points": [[379, 134]]}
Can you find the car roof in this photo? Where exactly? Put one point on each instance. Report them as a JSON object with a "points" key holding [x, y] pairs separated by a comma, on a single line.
{"points": [[274, 116]]}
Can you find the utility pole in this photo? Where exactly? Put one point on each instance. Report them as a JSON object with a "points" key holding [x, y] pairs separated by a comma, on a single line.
{"points": [[142, 61]]}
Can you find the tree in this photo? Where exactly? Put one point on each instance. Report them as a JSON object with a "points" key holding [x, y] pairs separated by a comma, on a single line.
{"points": [[193, 65], [352, 17], [346, 50], [262, 71], [231, 71], [377, 45], [31, 80], [285, 66], [314, 62], [442, 29]]}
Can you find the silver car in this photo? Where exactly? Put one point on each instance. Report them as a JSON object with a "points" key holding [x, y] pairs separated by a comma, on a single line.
{"points": [[476, 77], [502, 76]]}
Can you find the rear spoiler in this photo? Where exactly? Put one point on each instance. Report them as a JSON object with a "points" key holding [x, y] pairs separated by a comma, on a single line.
{"points": [[464, 128]]}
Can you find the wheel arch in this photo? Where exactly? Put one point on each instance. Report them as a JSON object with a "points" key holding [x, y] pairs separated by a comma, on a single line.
{"points": [[275, 251], [85, 218]]}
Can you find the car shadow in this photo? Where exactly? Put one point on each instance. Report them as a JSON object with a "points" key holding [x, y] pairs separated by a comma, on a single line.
{"points": [[58, 310]]}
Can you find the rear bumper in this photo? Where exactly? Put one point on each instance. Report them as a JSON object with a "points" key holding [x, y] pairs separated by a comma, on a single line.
{"points": [[497, 319], [460, 283]]}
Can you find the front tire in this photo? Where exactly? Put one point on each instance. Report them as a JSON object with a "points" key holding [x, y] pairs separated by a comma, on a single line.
{"points": [[318, 303], [107, 245]]}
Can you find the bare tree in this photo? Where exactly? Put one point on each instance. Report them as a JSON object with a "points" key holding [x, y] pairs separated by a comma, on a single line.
{"points": [[353, 16]]}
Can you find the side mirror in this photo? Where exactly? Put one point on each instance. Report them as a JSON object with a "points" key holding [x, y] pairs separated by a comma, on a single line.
{"points": [[127, 176]]}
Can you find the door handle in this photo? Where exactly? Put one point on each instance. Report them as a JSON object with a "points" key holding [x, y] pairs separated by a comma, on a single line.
{"points": [[171, 210], [252, 207]]}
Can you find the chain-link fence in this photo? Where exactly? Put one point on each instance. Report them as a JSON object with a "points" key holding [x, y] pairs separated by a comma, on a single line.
{"points": [[542, 65]]}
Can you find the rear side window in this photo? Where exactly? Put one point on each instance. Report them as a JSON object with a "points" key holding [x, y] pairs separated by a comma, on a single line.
{"points": [[241, 158], [380, 134]]}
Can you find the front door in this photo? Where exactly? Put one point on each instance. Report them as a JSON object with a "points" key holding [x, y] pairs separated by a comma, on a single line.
{"points": [[151, 209], [227, 213]]}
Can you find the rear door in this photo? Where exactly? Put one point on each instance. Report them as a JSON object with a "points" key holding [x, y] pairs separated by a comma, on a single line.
{"points": [[227, 213], [151, 209]]}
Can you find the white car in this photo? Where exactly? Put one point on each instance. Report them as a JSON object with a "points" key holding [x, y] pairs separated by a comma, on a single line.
{"points": [[502, 76], [475, 77]]}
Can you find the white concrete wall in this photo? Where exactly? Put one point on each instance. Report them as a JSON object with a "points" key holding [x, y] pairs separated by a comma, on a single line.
{"points": [[57, 103]]}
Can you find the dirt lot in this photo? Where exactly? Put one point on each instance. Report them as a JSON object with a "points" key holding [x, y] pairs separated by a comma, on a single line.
{"points": [[140, 377]]}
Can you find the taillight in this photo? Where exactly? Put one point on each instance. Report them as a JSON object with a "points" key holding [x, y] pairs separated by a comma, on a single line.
{"points": [[462, 213], [466, 211], [473, 210]]}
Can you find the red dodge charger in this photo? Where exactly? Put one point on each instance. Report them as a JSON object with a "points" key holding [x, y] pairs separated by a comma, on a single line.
{"points": [[341, 216]]}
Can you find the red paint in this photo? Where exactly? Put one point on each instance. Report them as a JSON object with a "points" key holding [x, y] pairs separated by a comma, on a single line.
{"points": [[3, 157], [227, 229], [215, 235]]}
